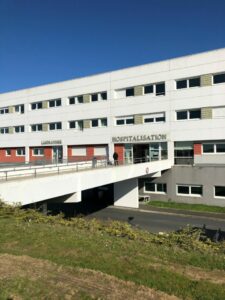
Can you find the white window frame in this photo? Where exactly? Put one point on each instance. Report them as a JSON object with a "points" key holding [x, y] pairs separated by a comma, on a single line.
{"points": [[54, 101], [5, 110], [77, 124], [79, 151], [36, 105], [188, 114], [155, 191], [215, 75], [219, 197], [22, 153], [76, 100], [125, 119], [154, 116], [188, 83], [40, 151], [36, 126], [18, 109], [6, 152], [189, 187], [214, 149], [55, 125], [99, 123], [100, 151], [20, 129], [5, 130]]}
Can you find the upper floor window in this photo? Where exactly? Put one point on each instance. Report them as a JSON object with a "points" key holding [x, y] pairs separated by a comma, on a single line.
{"points": [[36, 105], [55, 103], [154, 118], [19, 129], [219, 78], [99, 122], [19, 109], [160, 89], [99, 96], [129, 92], [149, 89], [4, 110], [55, 126], [188, 83], [213, 148], [4, 130], [128, 120], [20, 151], [76, 124], [190, 114], [36, 127], [76, 100]]}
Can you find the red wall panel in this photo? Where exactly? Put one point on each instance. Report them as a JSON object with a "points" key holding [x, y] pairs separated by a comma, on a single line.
{"points": [[197, 149], [13, 158], [119, 148]]}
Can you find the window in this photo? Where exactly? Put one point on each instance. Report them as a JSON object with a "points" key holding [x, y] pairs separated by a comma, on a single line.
{"points": [[4, 130], [38, 151], [94, 97], [79, 151], [36, 105], [76, 100], [76, 125], [155, 187], [188, 83], [213, 148], [36, 127], [55, 126], [219, 78], [103, 96], [129, 120], [99, 122], [129, 92], [55, 103], [189, 114], [8, 152], [4, 110], [19, 129], [190, 190], [19, 109], [20, 151], [160, 89], [148, 89], [219, 191], [183, 153], [154, 118], [100, 151]]}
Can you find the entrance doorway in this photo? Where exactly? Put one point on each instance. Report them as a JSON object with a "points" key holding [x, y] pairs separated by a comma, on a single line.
{"points": [[57, 154], [141, 153]]}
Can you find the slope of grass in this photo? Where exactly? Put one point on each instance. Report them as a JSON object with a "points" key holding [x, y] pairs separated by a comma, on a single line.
{"points": [[177, 264], [186, 206]]}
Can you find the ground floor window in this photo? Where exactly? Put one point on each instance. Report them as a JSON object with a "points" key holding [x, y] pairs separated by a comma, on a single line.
{"points": [[219, 191], [192, 190], [38, 152], [20, 151], [79, 151], [155, 187]]}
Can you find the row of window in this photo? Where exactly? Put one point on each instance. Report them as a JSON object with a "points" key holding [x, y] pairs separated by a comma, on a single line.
{"points": [[183, 189], [19, 152], [18, 109], [213, 148], [158, 89], [196, 81]]}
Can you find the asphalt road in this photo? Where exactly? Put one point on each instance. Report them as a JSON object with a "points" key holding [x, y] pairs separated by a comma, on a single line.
{"points": [[158, 221]]}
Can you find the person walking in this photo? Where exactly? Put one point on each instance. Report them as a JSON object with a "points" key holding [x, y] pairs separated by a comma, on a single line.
{"points": [[115, 157]]}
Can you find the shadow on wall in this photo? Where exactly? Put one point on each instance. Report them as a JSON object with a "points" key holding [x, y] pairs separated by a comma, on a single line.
{"points": [[92, 200]]}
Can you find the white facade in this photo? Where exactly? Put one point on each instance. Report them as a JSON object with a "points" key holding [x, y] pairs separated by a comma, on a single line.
{"points": [[203, 104]]}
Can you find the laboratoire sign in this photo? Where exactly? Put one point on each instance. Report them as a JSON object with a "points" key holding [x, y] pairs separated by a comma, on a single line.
{"points": [[51, 142], [139, 138]]}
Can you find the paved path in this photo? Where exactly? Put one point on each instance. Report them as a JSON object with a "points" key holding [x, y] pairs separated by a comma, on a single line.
{"points": [[156, 221]]}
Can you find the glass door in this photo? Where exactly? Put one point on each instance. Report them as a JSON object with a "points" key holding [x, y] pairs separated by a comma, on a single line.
{"points": [[154, 151], [128, 154], [57, 154]]}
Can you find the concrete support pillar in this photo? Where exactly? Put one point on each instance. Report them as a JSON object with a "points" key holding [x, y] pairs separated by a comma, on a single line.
{"points": [[126, 193], [170, 150], [27, 154], [65, 152], [110, 151], [74, 198]]}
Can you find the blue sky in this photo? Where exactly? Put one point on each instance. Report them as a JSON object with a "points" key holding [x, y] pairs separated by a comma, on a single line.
{"points": [[44, 41]]}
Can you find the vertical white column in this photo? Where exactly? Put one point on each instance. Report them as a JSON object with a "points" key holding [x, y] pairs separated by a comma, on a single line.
{"points": [[110, 151], [27, 154], [170, 149], [65, 152], [126, 193]]}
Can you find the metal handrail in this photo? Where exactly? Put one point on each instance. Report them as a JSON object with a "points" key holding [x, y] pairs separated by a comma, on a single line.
{"points": [[65, 165]]}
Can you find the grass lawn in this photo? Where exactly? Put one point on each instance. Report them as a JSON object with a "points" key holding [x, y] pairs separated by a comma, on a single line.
{"points": [[186, 206], [50, 258]]}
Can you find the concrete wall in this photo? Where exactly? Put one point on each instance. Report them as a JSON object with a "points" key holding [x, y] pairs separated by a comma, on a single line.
{"points": [[208, 177]]}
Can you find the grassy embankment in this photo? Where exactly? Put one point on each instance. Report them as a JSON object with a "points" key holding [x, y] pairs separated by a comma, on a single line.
{"points": [[186, 206], [53, 258]]}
